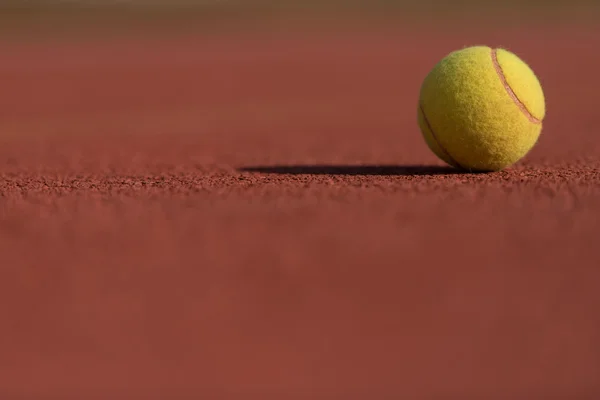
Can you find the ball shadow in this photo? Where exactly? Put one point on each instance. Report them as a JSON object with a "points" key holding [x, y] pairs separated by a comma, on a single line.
{"points": [[330, 169]]}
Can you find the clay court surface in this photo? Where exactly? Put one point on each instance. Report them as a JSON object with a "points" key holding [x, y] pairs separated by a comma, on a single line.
{"points": [[257, 216]]}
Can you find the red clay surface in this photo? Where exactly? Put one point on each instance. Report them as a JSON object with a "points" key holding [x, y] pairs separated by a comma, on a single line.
{"points": [[258, 217]]}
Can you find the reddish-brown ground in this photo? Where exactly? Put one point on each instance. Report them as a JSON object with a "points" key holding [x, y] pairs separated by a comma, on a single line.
{"points": [[255, 216]]}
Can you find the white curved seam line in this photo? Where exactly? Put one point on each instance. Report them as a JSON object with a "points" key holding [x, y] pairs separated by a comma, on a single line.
{"points": [[511, 92], [453, 161]]}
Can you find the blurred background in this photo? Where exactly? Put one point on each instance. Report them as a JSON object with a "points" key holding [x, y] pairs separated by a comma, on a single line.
{"points": [[220, 14], [235, 67]]}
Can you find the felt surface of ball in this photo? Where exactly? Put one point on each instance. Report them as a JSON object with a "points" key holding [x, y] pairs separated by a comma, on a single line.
{"points": [[481, 109]]}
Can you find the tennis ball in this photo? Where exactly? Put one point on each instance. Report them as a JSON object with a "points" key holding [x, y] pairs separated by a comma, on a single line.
{"points": [[481, 109]]}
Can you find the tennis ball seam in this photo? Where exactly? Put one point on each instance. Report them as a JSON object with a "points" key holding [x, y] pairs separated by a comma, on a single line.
{"points": [[510, 91], [450, 158]]}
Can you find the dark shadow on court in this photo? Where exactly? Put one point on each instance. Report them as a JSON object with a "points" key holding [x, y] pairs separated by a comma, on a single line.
{"points": [[326, 169]]}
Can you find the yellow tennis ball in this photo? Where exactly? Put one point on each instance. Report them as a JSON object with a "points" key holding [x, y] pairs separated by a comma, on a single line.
{"points": [[481, 109]]}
